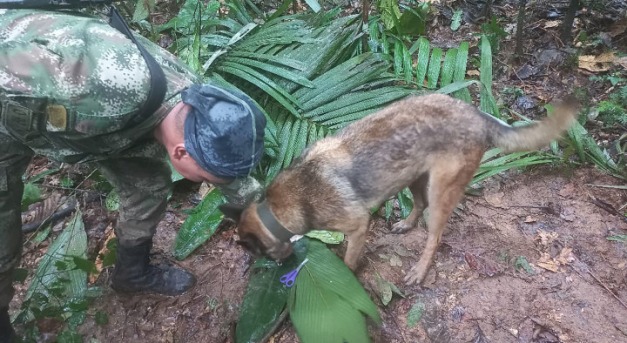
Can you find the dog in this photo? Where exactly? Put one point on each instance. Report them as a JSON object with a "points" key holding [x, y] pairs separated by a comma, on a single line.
{"points": [[432, 144]]}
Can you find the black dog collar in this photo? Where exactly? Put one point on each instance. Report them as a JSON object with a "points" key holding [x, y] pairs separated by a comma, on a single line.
{"points": [[271, 223]]}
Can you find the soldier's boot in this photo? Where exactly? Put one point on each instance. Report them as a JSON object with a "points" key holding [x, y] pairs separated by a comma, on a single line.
{"points": [[133, 273], [7, 335]]}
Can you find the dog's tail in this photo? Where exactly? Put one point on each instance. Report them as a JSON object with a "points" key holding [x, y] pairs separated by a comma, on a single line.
{"points": [[536, 135]]}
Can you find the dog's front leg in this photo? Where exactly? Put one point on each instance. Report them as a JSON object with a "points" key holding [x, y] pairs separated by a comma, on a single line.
{"points": [[356, 232]]}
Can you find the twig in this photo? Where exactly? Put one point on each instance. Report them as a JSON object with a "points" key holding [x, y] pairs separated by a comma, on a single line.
{"points": [[607, 207], [600, 283], [274, 327]]}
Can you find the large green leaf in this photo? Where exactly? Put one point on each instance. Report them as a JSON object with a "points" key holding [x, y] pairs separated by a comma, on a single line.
{"points": [[263, 302], [327, 304], [59, 286], [200, 225]]}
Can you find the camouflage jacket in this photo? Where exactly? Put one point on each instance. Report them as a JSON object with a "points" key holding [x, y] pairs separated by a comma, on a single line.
{"points": [[83, 81]]}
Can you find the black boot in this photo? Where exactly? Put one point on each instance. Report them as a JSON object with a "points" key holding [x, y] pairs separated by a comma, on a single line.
{"points": [[133, 273], [7, 335]]}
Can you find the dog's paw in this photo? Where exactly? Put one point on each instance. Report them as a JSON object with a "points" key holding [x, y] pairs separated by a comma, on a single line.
{"points": [[401, 227], [415, 276]]}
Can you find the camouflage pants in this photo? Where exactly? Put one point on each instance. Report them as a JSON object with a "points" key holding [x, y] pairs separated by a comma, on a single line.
{"points": [[142, 185]]}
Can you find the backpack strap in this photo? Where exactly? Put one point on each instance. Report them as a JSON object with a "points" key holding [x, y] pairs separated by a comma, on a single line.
{"points": [[158, 83]]}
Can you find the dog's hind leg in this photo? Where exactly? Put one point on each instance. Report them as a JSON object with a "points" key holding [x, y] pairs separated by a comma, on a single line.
{"points": [[448, 180], [419, 190]]}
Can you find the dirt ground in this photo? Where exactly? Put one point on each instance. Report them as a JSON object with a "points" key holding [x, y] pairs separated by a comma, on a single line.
{"points": [[573, 291], [526, 260]]}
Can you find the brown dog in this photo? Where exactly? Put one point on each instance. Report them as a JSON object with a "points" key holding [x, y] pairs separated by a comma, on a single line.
{"points": [[432, 144]]}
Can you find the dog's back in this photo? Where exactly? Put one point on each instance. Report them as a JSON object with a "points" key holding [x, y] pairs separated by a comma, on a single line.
{"points": [[381, 154]]}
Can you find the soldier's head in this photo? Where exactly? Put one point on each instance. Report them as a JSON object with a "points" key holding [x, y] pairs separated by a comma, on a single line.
{"points": [[222, 134]]}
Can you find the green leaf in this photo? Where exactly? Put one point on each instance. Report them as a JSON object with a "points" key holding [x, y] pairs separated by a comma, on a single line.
{"points": [[424, 49], [448, 67], [264, 300], [405, 202], [176, 176], [327, 303], [435, 63], [459, 75], [112, 202], [328, 237], [31, 195], [200, 225], [42, 235], [142, 10], [521, 262], [85, 265], [617, 238], [101, 318], [57, 283], [456, 21], [390, 12], [487, 102], [415, 313], [314, 5]]}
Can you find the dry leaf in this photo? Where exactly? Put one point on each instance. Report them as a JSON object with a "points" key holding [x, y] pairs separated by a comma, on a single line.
{"points": [[546, 238], [550, 265], [530, 219], [495, 199], [110, 234], [395, 261], [598, 63], [566, 256], [551, 23], [473, 72], [622, 62]]}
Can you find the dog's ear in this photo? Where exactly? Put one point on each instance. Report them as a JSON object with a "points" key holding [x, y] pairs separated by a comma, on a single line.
{"points": [[231, 212]]}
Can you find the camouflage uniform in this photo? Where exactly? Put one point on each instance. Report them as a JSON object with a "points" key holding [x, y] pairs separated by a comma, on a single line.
{"points": [[69, 85]]}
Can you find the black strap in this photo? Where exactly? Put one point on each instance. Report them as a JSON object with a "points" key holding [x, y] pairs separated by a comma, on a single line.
{"points": [[271, 223], [158, 84]]}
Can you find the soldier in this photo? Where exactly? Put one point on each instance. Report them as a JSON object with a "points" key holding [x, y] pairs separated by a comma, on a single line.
{"points": [[77, 90]]}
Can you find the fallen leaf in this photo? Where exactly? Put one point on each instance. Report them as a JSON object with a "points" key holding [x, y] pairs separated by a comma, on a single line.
{"points": [[551, 23], [473, 72], [598, 63], [110, 234], [402, 251], [546, 238], [566, 256], [530, 219], [551, 266], [395, 261], [495, 199], [622, 62]]}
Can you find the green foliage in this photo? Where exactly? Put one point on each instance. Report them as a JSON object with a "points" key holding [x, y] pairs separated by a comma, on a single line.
{"points": [[112, 202], [493, 31], [59, 287], [328, 237], [522, 263], [200, 225], [456, 21], [265, 298], [327, 303], [31, 195], [415, 313]]}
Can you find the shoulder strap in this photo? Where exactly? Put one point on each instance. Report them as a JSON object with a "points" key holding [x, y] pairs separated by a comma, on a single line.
{"points": [[158, 83]]}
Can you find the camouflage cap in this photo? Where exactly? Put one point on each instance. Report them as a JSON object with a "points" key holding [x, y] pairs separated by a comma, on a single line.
{"points": [[223, 130]]}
